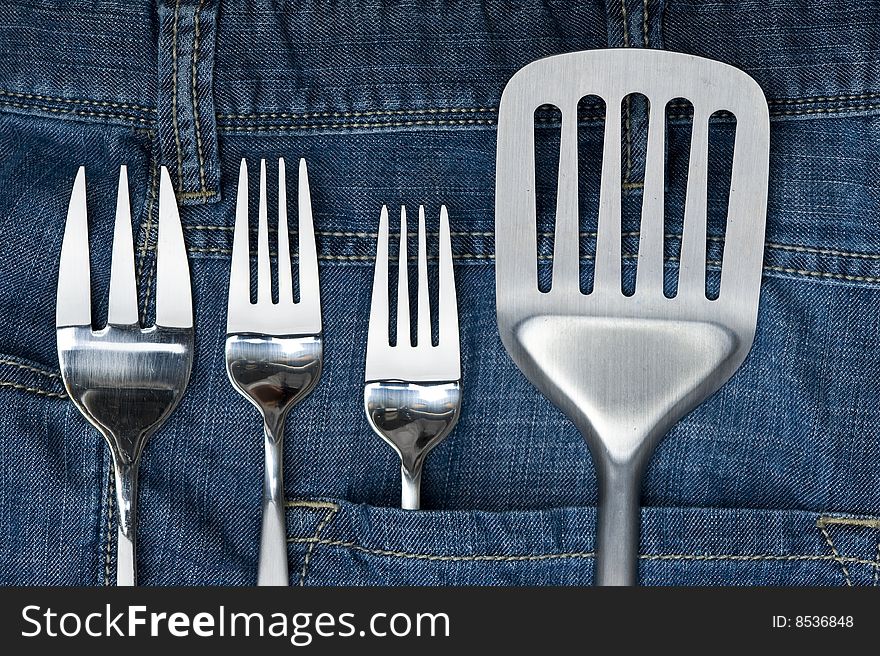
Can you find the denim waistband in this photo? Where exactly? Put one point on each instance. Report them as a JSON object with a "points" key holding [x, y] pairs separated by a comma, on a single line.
{"points": [[307, 64]]}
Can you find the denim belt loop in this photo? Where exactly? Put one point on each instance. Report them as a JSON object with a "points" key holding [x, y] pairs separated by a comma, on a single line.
{"points": [[187, 121]]}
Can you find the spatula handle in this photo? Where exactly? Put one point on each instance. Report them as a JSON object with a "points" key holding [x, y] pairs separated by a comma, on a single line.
{"points": [[617, 525]]}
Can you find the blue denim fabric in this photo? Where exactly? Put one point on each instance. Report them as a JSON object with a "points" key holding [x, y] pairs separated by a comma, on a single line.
{"points": [[774, 480]]}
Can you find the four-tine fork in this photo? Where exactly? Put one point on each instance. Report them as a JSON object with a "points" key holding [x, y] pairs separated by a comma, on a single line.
{"points": [[274, 351], [412, 393]]}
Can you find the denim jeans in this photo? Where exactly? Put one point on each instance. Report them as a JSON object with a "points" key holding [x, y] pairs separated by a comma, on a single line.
{"points": [[774, 480]]}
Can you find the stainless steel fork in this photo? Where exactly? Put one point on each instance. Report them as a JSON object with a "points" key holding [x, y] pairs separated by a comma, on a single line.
{"points": [[412, 393], [625, 369], [274, 351], [126, 380]]}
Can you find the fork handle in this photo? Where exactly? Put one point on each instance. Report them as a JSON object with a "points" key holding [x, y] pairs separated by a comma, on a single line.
{"points": [[272, 567], [617, 525], [410, 488], [126, 474]]}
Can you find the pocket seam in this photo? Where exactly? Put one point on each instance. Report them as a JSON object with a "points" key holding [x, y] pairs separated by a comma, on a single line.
{"points": [[354, 546], [33, 390], [24, 376], [332, 509], [825, 521]]}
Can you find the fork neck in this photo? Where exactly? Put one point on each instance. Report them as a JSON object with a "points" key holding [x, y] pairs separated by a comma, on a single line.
{"points": [[273, 425], [125, 473]]}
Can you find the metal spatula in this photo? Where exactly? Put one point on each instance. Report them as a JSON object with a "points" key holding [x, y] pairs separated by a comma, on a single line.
{"points": [[625, 369]]}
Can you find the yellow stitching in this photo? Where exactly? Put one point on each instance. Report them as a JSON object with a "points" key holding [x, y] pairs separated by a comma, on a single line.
{"points": [[818, 251], [435, 557], [834, 553], [631, 233], [196, 194], [573, 554], [196, 119], [389, 112], [350, 126], [751, 557], [487, 121], [645, 42], [331, 513], [317, 505], [877, 565], [208, 227], [815, 110], [863, 522], [174, 94], [58, 110], [146, 246], [825, 110], [813, 99], [489, 256], [35, 370], [823, 274], [34, 390], [396, 112], [77, 101], [582, 118], [111, 489], [484, 110]]}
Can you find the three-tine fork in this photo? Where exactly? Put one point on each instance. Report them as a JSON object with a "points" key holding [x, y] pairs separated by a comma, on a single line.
{"points": [[126, 380], [412, 393], [274, 351]]}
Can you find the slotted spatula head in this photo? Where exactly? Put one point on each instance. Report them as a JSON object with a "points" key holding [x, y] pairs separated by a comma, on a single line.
{"points": [[628, 366], [625, 368]]}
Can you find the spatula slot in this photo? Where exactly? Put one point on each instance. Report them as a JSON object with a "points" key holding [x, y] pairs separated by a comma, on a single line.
{"points": [[591, 134], [635, 118], [679, 125], [722, 136], [548, 130]]}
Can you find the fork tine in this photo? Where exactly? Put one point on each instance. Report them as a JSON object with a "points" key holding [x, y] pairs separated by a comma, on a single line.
{"points": [[692, 270], [403, 335], [423, 327], [239, 273], [377, 332], [309, 287], [74, 303], [173, 291], [566, 244], [649, 272], [448, 305], [285, 273], [264, 276], [607, 274], [123, 309]]}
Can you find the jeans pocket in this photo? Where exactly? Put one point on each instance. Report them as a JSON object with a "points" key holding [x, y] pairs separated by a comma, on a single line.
{"points": [[52, 506], [339, 543]]}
